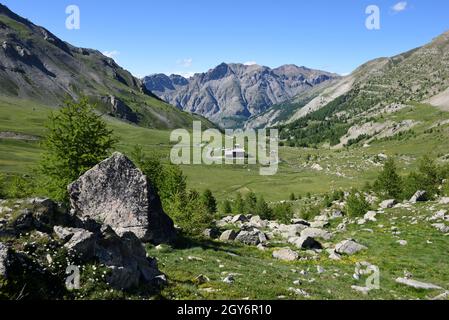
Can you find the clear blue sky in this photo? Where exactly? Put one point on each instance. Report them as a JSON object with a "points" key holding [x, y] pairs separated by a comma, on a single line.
{"points": [[186, 36]]}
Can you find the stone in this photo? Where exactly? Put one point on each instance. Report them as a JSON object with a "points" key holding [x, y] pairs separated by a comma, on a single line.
{"points": [[388, 204], [349, 247], [300, 221], [285, 254], [305, 242], [320, 269], [251, 237], [116, 193], [81, 243], [402, 242], [316, 233], [319, 224], [239, 218], [417, 284], [419, 196], [290, 230], [336, 214], [24, 221], [65, 233], [229, 279], [4, 260], [370, 216], [210, 233], [228, 235], [444, 200], [258, 222]]}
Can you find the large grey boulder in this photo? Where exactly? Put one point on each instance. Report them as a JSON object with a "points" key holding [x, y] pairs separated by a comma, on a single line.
{"points": [[349, 247], [118, 194], [316, 233], [417, 284], [228, 235], [387, 204], [285, 254], [124, 255], [253, 237], [4, 257], [305, 242]]}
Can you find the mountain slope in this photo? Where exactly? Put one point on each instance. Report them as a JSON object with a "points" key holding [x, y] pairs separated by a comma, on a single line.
{"points": [[231, 93], [419, 75], [37, 66]]}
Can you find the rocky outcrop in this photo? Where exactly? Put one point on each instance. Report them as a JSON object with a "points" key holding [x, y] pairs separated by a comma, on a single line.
{"points": [[285, 254], [349, 247], [118, 109], [118, 194], [4, 256]]}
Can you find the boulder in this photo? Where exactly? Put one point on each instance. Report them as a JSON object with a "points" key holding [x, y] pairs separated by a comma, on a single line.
{"points": [[4, 260], [81, 242], [349, 247], [116, 193], [285, 254], [210, 233], [228, 235], [370, 216], [444, 200], [239, 218], [419, 196], [387, 204], [251, 237], [290, 230], [441, 227], [319, 224], [257, 222], [305, 242], [316, 233]]}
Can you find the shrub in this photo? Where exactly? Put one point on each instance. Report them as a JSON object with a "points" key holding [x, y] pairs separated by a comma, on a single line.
{"points": [[19, 187], [389, 183], [310, 212], [262, 209], [225, 207], [283, 213], [356, 204], [77, 139], [292, 197], [2, 185], [238, 205], [209, 201], [250, 203]]}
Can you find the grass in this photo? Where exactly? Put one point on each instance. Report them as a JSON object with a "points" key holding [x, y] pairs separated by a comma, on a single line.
{"points": [[259, 276]]}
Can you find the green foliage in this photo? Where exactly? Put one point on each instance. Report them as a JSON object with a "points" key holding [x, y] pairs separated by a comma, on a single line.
{"points": [[310, 212], [2, 186], [77, 139], [238, 206], [262, 209], [389, 183], [283, 212], [356, 204], [150, 166], [428, 177], [225, 207], [292, 197], [19, 187], [209, 201], [250, 203]]}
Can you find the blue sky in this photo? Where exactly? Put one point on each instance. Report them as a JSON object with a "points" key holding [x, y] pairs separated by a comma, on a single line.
{"points": [[181, 36]]}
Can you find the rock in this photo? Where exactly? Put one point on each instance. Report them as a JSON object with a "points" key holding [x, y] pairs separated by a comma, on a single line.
{"points": [[319, 224], [239, 218], [211, 233], [419, 196], [443, 296], [316, 233], [349, 247], [118, 109], [336, 214], [441, 227], [4, 260], [201, 279], [320, 269], [363, 290], [305, 242], [118, 194], [317, 167], [65, 233], [444, 200], [229, 279], [257, 222], [417, 284], [290, 230], [224, 221], [300, 221], [387, 204], [24, 221], [81, 243], [228, 235], [251, 237], [370, 216], [299, 292], [402, 242], [285, 254]]}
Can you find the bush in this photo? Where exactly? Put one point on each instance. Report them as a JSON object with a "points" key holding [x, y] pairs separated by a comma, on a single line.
{"points": [[283, 213], [262, 209], [77, 139], [2, 186], [238, 206], [292, 197], [209, 201], [428, 178], [310, 212], [356, 204], [389, 183], [19, 187], [225, 207], [250, 203]]}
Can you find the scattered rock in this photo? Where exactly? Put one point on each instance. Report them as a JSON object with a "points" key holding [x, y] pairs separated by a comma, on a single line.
{"points": [[201, 279], [316, 233], [211, 233], [443, 296], [299, 292], [320, 269], [285, 254], [444, 200], [417, 284], [257, 222], [290, 230], [239, 218], [349, 247], [228, 235], [387, 204], [305, 242], [402, 242], [419, 196], [229, 279], [251, 237], [118, 194], [370, 216], [441, 227], [319, 224]]}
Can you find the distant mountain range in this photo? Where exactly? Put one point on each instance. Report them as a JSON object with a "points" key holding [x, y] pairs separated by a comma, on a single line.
{"points": [[37, 66], [231, 93]]}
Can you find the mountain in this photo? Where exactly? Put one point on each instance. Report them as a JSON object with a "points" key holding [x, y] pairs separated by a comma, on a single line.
{"points": [[231, 93], [420, 75], [36, 65]]}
